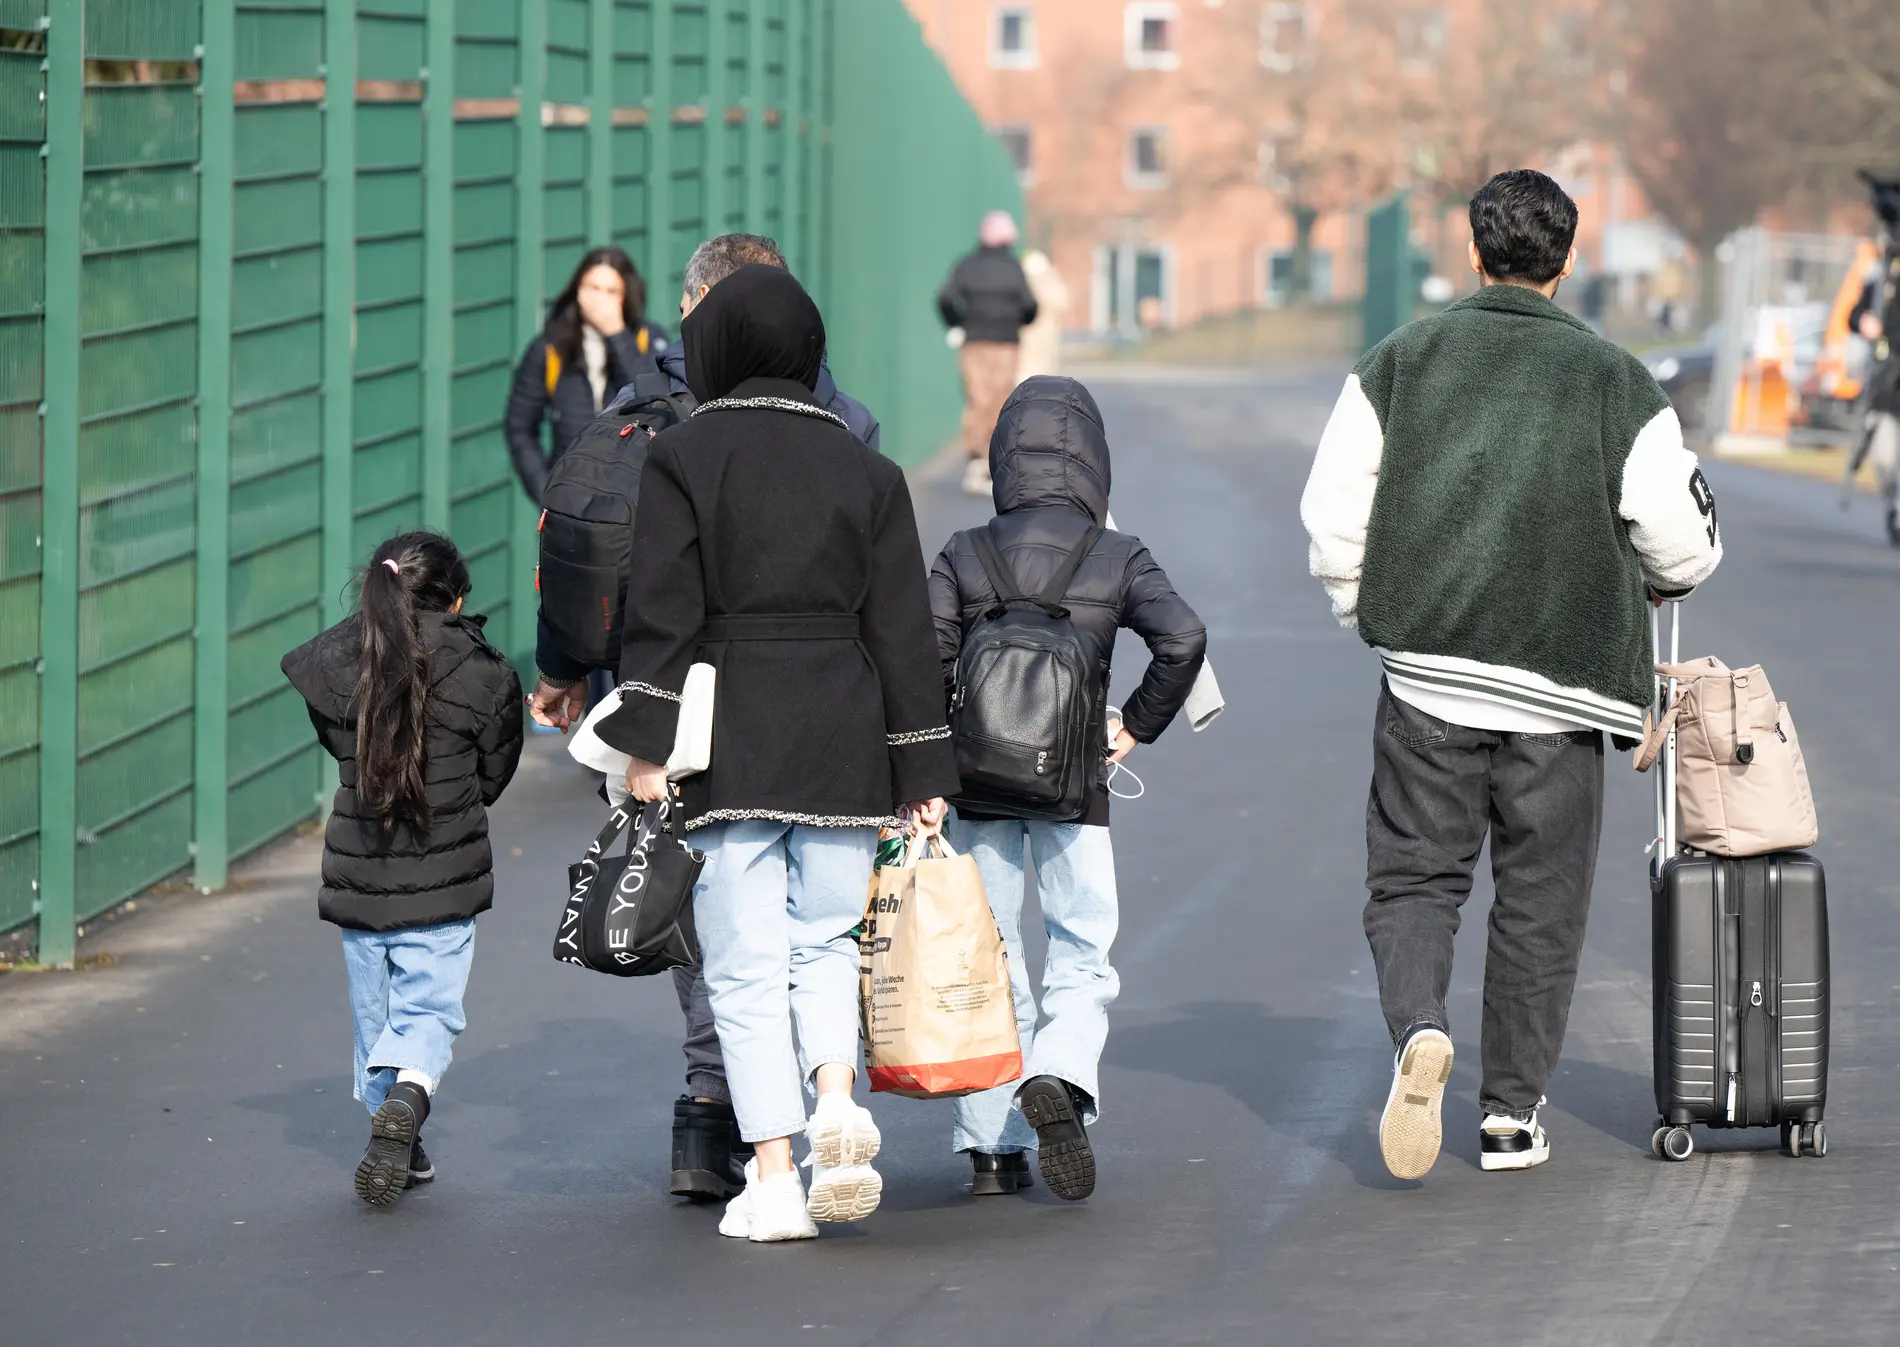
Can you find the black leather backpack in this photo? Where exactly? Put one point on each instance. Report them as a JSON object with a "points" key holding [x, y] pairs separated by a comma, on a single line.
{"points": [[1026, 719], [587, 521]]}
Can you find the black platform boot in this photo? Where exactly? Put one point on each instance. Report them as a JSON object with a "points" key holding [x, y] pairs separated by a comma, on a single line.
{"points": [[997, 1175], [383, 1173], [708, 1157]]}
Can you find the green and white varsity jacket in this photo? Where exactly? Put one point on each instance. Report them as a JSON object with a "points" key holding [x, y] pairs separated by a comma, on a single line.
{"points": [[1496, 490]]}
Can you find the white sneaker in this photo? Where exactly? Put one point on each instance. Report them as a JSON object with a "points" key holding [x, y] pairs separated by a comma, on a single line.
{"points": [[1409, 1131], [976, 477], [769, 1210], [1507, 1143], [844, 1140]]}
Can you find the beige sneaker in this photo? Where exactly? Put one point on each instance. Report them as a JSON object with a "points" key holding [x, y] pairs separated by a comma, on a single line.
{"points": [[1410, 1132], [844, 1140], [976, 477]]}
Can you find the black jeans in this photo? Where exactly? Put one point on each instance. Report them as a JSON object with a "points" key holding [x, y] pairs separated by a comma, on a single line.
{"points": [[1437, 788]]}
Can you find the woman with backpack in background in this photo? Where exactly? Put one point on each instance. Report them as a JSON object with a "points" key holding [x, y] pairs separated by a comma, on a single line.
{"points": [[1049, 466], [423, 717], [772, 544], [596, 340]]}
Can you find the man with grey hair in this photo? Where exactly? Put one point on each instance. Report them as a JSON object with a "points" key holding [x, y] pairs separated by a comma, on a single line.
{"points": [[716, 259]]}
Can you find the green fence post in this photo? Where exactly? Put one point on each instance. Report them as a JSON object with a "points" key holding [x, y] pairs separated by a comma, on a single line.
{"points": [[530, 175], [717, 166], [339, 327], [758, 101], [59, 501], [211, 720], [660, 150], [438, 260], [818, 161], [600, 124], [794, 133]]}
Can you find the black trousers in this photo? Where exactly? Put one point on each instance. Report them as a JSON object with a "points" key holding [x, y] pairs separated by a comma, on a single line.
{"points": [[1437, 789]]}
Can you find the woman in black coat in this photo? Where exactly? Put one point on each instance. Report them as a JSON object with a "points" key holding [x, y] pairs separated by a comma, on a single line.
{"points": [[772, 544], [596, 340]]}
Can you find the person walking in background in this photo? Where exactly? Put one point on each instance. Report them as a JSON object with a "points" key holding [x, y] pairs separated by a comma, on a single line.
{"points": [[716, 259], [1041, 340], [423, 717], [1876, 317], [772, 544], [706, 1162], [985, 304], [1496, 490], [596, 340], [1049, 458]]}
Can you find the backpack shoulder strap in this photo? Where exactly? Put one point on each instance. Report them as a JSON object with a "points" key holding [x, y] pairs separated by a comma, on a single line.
{"points": [[1058, 587], [1002, 579], [551, 369]]}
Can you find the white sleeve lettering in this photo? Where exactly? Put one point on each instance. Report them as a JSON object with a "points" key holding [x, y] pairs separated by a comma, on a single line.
{"points": [[1669, 508], [1337, 504]]}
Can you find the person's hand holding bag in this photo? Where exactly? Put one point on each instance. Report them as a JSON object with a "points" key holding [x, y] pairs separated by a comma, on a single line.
{"points": [[646, 782]]}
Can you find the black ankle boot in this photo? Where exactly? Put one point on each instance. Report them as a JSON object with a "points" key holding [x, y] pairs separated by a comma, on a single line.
{"points": [[1063, 1151], [383, 1172], [708, 1157], [997, 1175]]}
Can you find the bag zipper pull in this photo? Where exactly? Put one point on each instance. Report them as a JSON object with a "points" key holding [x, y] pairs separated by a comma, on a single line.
{"points": [[1754, 993], [1734, 1077]]}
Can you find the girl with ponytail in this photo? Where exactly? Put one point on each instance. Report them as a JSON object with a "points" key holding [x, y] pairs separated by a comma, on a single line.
{"points": [[423, 717]]}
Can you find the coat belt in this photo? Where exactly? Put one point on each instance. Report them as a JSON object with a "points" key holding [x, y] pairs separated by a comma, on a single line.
{"points": [[781, 627]]}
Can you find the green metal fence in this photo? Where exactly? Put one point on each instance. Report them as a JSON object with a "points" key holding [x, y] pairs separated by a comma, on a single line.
{"points": [[265, 266]]}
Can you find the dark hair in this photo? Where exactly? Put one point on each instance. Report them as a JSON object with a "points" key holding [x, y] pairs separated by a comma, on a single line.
{"points": [[564, 317], [1523, 224], [412, 573]]}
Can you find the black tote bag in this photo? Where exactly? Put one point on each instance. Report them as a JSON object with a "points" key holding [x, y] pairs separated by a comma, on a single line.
{"points": [[632, 915]]}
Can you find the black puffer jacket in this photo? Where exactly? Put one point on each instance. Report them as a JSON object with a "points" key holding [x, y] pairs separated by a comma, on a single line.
{"points": [[375, 881], [988, 296], [1049, 464]]}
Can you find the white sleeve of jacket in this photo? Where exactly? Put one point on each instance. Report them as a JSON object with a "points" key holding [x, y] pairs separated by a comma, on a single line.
{"points": [[1669, 508], [1337, 505]]}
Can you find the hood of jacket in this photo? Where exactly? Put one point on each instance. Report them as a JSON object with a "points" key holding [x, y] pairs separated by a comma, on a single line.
{"points": [[1049, 448], [323, 669], [825, 393]]}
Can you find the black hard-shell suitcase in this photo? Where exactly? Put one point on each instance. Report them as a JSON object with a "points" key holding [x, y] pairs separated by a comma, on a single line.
{"points": [[1741, 985]]}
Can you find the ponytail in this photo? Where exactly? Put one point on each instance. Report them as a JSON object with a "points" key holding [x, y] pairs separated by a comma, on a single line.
{"points": [[407, 576]]}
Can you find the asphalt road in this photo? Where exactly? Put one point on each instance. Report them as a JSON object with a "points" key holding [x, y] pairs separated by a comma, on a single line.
{"points": [[179, 1137]]}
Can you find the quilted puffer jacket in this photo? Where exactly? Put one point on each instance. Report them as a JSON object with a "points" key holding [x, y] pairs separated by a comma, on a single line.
{"points": [[377, 881], [1050, 468]]}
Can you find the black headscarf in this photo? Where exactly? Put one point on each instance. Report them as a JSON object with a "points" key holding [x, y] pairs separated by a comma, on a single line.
{"points": [[757, 323]]}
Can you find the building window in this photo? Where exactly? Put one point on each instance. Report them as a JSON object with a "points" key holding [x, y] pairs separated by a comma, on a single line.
{"points": [[1277, 277], [1285, 36], [1421, 37], [1148, 36], [1017, 144], [1013, 38], [1148, 157]]}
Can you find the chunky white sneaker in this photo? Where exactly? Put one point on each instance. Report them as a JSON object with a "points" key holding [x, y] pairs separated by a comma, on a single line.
{"points": [[774, 1208], [737, 1222], [1509, 1143], [844, 1140], [1409, 1132]]}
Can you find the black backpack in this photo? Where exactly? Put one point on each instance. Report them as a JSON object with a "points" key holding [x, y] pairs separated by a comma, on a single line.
{"points": [[587, 521], [1026, 719]]}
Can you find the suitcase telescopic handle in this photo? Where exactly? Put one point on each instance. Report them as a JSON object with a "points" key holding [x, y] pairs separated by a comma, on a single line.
{"points": [[1666, 814]]}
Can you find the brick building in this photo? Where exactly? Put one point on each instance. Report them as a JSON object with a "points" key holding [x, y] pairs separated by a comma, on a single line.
{"points": [[1168, 148]]}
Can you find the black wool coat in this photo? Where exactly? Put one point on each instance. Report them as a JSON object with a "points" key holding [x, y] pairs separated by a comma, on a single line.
{"points": [[773, 545], [379, 881], [988, 296], [1050, 472]]}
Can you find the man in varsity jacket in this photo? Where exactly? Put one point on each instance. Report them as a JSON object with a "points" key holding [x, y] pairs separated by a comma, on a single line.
{"points": [[1499, 495]]}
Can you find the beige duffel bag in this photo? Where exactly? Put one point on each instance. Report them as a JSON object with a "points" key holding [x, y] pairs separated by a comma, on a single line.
{"points": [[1741, 784]]}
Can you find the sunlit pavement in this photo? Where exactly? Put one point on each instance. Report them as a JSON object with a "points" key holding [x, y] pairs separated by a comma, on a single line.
{"points": [[179, 1135]]}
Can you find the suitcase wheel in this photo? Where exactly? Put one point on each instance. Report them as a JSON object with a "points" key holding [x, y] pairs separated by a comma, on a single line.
{"points": [[1799, 1139], [1672, 1143]]}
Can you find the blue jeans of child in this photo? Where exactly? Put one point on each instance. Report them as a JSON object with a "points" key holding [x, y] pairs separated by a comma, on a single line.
{"points": [[1075, 887], [775, 908], [406, 994]]}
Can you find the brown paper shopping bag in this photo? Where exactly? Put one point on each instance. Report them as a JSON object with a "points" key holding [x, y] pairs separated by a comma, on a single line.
{"points": [[939, 1019]]}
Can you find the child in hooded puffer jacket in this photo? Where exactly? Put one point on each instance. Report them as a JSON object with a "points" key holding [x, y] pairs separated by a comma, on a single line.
{"points": [[423, 717]]}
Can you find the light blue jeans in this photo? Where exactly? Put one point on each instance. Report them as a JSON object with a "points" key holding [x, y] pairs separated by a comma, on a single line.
{"points": [[775, 908], [406, 994], [1075, 887]]}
